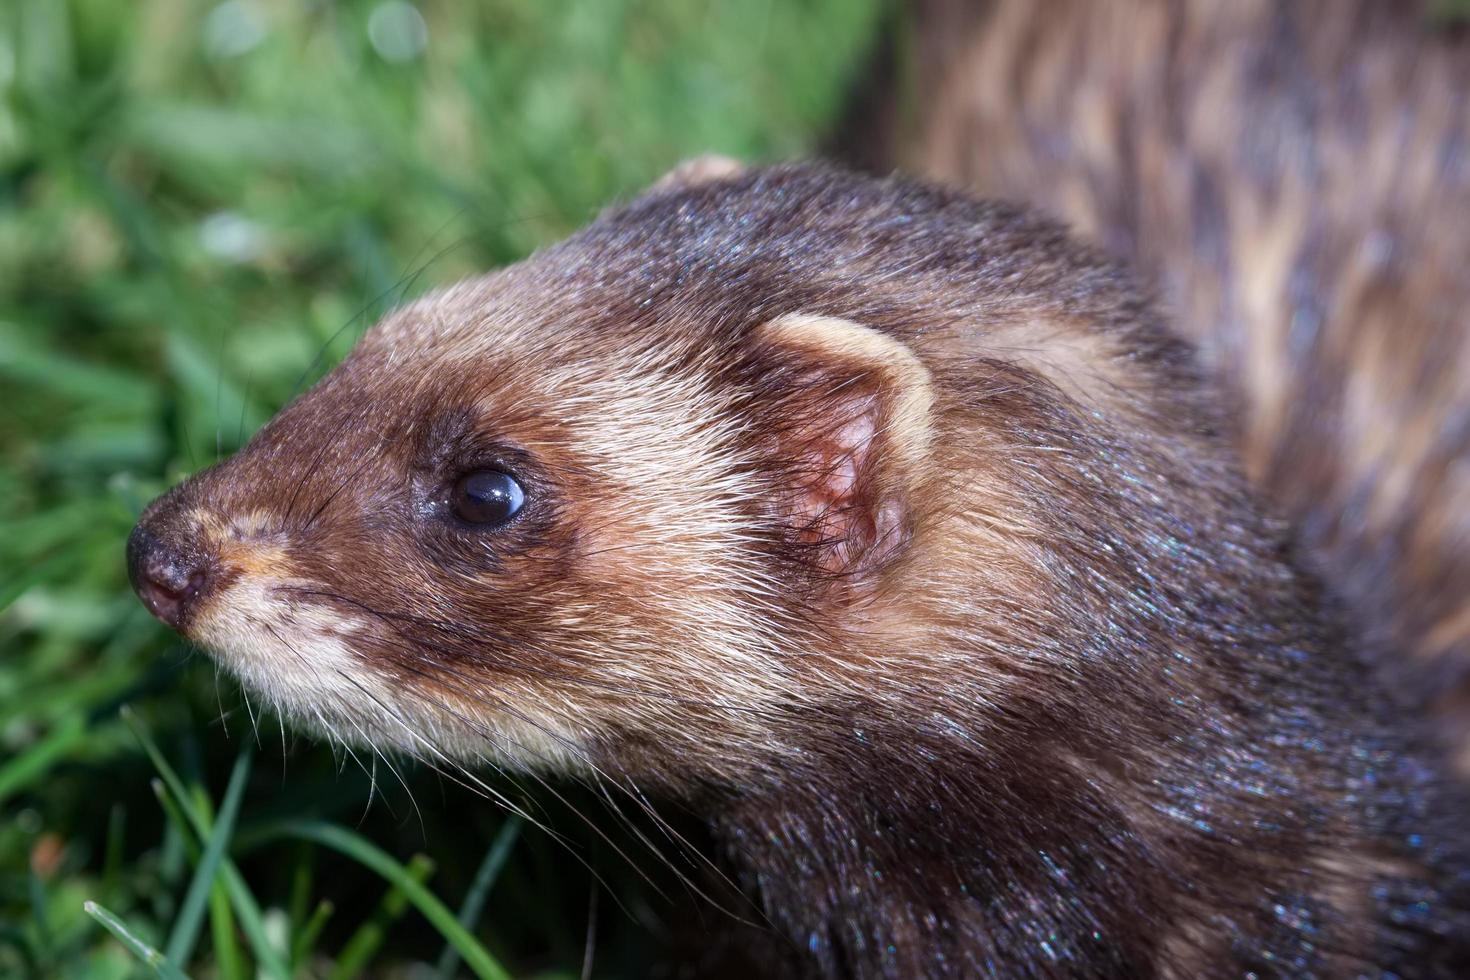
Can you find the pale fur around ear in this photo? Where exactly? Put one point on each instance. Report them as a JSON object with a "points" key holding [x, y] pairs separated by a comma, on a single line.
{"points": [[700, 170], [842, 344], [853, 431]]}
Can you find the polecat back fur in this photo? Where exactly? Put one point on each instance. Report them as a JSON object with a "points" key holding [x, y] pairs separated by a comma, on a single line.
{"points": [[1293, 176]]}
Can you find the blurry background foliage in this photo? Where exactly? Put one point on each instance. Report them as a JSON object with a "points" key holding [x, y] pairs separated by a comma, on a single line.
{"points": [[201, 205]]}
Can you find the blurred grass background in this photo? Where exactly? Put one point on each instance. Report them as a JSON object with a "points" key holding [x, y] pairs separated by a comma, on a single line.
{"points": [[201, 204]]}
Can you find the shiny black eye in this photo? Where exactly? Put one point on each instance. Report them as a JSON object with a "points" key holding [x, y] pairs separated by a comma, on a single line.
{"points": [[487, 497]]}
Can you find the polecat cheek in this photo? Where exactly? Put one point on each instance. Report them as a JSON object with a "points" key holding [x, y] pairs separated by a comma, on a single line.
{"points": [[300, 655]]}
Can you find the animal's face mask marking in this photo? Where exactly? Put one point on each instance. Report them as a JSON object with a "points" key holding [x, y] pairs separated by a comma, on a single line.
{"points": [[493, 534], [550, 567], [648, 500]]}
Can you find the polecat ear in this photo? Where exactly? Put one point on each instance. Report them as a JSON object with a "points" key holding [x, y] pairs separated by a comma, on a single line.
{"points": [[699, 170], [851, 427]]}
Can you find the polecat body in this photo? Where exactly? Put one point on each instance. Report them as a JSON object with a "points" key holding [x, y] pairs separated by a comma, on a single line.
{"points": [[1295, 177], [893, 532]]}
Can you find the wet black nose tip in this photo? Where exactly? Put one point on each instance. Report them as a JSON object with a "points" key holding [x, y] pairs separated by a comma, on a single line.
{"points": [[165, 579]]}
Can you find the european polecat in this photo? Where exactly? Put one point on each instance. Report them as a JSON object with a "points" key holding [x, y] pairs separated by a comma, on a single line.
{"points": [[893, 532]]}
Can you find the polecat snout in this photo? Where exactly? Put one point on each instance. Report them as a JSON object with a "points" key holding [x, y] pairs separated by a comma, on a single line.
{"points": [[890, 528]]}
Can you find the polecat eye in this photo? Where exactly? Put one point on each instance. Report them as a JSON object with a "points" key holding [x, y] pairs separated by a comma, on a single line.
{"points": [[487, 497]]}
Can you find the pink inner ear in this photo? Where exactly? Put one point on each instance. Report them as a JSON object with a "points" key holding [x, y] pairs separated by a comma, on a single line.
{"points": [[848, 430], [837, 510]]}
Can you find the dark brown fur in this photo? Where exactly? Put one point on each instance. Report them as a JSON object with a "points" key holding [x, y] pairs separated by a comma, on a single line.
{"points": [[1046, 692], [1295, 177]]}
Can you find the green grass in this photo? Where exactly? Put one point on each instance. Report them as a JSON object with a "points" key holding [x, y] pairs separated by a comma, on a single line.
{"points": [[201, 205]]}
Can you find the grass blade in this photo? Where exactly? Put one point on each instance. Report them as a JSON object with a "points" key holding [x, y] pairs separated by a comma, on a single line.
{"points": [[359, 950], [484, 880], [306, 938], [361, 850], [117, 819], [44, 938], [251, 921], [160, 964], [228, 959], [185, 934]]}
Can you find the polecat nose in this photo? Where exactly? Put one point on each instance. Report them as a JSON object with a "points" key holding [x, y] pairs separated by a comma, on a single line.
{"points": [[165, 578]]}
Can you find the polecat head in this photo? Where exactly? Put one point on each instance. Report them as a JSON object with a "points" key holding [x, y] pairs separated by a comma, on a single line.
{"points": [[757, 454]]}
